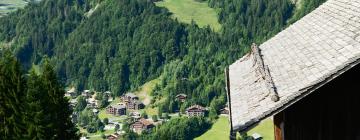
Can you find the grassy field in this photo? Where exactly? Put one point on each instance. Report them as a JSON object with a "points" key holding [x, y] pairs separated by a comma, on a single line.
{"points": [[97, 135], [219, 131], [7, 6], [187, 10], [145, 97], [265, 129], [145, 90]]}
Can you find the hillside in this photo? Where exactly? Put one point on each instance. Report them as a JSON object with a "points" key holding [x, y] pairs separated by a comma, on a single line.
{"points": [[123, 44]]}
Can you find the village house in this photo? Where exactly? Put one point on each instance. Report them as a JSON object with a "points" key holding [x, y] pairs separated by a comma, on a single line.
{"points": [[107, 92], [72, 102], [306, 78], [95, 111], [114, 136], [224, 111], [116, 110], [109, 96], [132, 101], [141, 125], [135, 116], [129, 97], [135, 105], [195, 111], [86, 93], [181, 97], [92, 103], [71, 93]]}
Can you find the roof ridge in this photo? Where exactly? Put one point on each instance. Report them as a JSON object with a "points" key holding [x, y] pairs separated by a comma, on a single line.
{"points": [[264, 71]]}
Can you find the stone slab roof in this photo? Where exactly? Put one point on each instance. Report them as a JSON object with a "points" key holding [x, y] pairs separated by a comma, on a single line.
{"points": [[195, 107], [118, 106], [300, 59]]}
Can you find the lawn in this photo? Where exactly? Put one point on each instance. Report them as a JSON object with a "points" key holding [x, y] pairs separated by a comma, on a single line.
{"points": [[7, 6], [188, 10], [145, 90], [144, 95], [265, 129], [219, 131], [97, 135]]}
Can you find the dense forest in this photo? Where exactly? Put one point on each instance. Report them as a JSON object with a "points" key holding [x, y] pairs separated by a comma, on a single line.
{"points": [[23, 97], [118, 45]]}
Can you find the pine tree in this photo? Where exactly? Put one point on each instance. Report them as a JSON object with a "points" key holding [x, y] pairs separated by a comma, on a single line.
{"points": [[32, 108], [12, 85], [81, 104], [58, 106], [34, 118]]}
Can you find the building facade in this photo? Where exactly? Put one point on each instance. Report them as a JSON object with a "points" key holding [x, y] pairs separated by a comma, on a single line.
{"points": [[181, 97], [141, 125], [117, 110], [195, 111]]}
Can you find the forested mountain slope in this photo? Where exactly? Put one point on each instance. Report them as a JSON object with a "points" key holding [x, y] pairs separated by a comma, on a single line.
{"points": [[125, 43]]}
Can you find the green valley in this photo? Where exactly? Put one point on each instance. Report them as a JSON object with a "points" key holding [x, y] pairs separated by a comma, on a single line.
{"points": [[152, 49]]}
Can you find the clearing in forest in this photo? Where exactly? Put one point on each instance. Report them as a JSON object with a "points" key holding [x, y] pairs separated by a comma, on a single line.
{"points": [[188, 10], [7, 6]]}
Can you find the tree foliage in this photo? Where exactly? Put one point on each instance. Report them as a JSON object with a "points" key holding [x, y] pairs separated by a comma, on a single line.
{"points": [[32, 107]]}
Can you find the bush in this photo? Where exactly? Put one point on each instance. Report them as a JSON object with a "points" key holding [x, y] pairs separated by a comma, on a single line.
{"points": [[91, 129], [155, 118], [106, 121]]}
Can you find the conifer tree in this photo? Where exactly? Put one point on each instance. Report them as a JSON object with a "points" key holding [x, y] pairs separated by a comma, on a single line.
{"points": [[11, 96], [35, 118], [58, 106]]}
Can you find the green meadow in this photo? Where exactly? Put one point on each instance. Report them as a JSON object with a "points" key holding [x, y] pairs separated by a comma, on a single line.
{"points": [[188, 10], [220, 130], [7, 6]]}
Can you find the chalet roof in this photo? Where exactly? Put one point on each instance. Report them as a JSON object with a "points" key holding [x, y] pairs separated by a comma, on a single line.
{"points": [[145, 122], [71, 90], [195, 107], [95, 110], [118, 106], [181, 95], [138, 102], [132, 95], [305, 56]]}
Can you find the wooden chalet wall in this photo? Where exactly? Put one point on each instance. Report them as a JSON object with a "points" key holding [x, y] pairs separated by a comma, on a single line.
{"points": [[330, 113]]}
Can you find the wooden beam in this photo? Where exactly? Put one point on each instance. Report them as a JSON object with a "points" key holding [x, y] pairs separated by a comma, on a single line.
{"points": [[279, 126], [227, 88]]}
